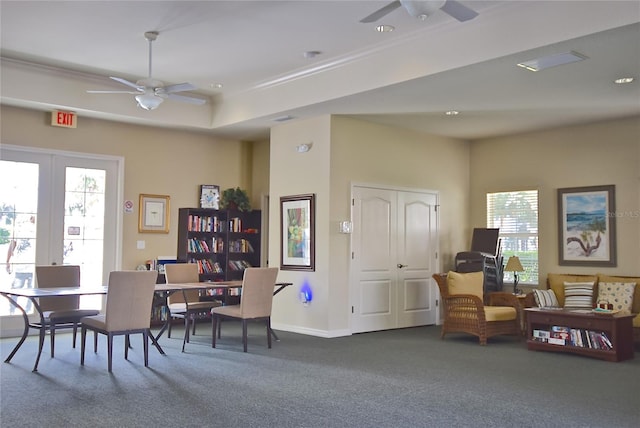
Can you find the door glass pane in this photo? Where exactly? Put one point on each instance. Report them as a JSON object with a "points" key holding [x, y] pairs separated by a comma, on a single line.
{"points": [[84, 226], [18, 215]]}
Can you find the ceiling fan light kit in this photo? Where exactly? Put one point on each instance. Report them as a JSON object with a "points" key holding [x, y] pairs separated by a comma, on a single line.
{"points": [[422, 9], [148, 101], [150, 93]]}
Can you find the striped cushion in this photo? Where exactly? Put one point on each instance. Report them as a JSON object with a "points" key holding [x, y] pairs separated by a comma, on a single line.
{"points": [[578, 295], [546, 299]]}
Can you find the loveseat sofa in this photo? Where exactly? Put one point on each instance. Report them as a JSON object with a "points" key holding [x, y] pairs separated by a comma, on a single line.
{"points": [[556, 282]]}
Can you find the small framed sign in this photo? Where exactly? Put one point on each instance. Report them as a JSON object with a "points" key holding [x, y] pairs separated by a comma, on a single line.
{"points": [[209, 196]]}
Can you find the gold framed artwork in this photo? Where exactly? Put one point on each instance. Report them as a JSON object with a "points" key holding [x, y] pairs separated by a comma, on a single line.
{"points": [[153, 216]]}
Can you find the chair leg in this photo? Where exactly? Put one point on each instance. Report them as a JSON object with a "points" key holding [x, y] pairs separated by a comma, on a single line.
{"points": [[269, 332], [52, 333], [244, 335], [95, 341], [110, 350], [75, 333], [126, 347], [169, 330], [145, 346], [185, 339], [214, 324], [83, 339], [187, 321]]}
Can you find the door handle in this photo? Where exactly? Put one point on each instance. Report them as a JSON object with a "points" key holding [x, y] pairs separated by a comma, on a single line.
{"points": [[400, 265]]}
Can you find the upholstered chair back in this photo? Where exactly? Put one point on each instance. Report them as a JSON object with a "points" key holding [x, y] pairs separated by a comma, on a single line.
{"points": [[257, 292], [129, 300], [56, 276], [179, 273]]}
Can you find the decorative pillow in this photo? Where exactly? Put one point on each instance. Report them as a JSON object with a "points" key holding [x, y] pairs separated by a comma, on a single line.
{"points": [[555, 282], [619, 294], [466, 283], [636, 296], [546, 298], [578, 295]]}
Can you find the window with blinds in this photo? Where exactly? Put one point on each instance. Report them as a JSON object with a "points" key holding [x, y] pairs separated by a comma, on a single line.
{"points": [[516, 215]]}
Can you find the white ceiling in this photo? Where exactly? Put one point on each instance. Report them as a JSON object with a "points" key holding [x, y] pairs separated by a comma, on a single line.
{"points": [[52, 52]]}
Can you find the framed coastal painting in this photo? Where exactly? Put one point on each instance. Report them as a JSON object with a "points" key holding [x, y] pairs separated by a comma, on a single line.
{"points": [[587, 226], [297, 236], [154, 214]]}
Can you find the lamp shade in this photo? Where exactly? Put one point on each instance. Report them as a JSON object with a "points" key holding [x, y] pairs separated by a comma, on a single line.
{"points": [[514, 265]]}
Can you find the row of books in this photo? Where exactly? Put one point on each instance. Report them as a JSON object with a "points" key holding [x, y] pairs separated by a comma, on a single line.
{"points": [[560, 335], [239, 264], [204, 224], [195, 245], [240, 246], [207, 266], [221, 292]]}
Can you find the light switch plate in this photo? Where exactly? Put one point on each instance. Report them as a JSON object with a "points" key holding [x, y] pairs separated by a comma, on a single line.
{"points": [[140, 245]]}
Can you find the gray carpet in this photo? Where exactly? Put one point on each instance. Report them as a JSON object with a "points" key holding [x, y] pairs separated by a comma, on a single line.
{"points": [[398, 378]]}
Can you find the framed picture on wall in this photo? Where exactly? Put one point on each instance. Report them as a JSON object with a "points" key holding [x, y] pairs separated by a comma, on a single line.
{"points": [[587, 226], [153, 216], [209, 196], [297, 236]]}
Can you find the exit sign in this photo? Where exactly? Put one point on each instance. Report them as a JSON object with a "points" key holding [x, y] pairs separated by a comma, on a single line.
{"points": [[66, 119]]}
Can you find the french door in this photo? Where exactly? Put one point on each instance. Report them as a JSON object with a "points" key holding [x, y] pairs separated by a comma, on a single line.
{"points": [[56, 208], [394, 245]]}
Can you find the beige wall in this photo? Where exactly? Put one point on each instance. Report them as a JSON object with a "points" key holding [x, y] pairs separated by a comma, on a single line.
{"points": [[588, 155], [157, 161], [347, 151]]}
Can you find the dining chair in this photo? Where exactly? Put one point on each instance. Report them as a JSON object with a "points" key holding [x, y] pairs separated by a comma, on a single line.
{"points": [[59, 312], [186, 304], [128, 311], [255, 303]]}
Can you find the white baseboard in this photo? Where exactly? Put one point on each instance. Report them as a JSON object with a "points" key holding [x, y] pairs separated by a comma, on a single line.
{"points": [[310, 331]]}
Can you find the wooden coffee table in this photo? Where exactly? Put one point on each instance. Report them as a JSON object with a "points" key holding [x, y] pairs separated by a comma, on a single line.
{"points": [[617, 328]]}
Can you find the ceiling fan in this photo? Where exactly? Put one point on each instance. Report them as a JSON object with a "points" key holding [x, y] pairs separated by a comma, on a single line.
{"points": [[150, 92], [422, 9]]}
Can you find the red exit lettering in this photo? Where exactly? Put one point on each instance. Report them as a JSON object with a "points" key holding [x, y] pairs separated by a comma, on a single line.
{"points": [[66, 119]]}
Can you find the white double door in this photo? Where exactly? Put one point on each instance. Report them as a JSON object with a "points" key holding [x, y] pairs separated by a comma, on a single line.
{"points": [[394, 254], [56, 208]]}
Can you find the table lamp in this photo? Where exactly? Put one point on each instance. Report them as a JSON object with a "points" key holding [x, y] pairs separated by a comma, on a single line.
{"points": [[514, 265]]}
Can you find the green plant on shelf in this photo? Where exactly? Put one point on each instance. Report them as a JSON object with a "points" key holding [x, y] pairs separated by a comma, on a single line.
{"points": [[235, 199]]}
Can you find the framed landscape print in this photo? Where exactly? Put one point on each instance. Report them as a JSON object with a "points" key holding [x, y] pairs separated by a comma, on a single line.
{"points": [[587, 226], [154, 214], [209, 196], [297, 236]]}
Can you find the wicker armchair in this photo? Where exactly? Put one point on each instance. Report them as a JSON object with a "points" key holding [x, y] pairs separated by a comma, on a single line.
{"points": [[467, 313]]}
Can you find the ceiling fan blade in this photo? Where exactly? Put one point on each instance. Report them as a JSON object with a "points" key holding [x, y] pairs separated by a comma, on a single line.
{"points": [[180, 87], [381, 12], [127, 83], [112, 92], [185, 99], [458, 11]]}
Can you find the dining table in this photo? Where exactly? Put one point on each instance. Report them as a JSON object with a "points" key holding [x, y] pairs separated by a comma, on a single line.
{"points": [[164, 290]]}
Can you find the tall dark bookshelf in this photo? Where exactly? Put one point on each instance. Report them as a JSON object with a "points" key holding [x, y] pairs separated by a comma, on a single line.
{"points": [[223, 243]]}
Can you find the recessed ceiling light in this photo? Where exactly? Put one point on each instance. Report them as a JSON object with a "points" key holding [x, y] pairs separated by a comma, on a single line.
{"points": [[385, 28], [551, 61], [216, 85], [311, 54], [283, 118], [624, 80], [452, 112]]}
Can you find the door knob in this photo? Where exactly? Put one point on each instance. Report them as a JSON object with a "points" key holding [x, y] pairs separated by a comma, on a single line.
{"points": [[400, 265]]}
